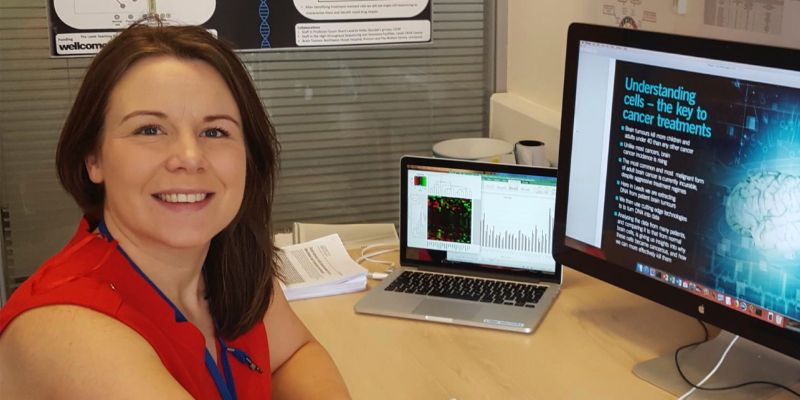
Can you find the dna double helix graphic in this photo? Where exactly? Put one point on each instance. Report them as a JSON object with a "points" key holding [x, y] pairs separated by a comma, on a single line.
{"points": [[263, 13]]}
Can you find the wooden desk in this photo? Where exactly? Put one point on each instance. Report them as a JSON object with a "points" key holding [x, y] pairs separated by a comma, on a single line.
{"points": [[585, 348]]}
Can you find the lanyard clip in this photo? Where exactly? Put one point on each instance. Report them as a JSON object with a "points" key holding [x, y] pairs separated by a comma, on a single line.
{"points": [[244, 359]]}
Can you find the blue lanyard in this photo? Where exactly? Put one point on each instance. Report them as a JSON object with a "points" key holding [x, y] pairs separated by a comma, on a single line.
{"points": [[225, 386]]}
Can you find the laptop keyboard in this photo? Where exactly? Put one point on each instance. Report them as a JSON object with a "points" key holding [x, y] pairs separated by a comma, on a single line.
{"points": [[467, 288]]}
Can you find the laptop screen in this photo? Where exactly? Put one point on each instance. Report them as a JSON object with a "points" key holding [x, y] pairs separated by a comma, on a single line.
{"points": [[489, 216]]}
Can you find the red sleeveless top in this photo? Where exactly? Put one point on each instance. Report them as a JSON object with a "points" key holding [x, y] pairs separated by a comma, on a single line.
{"points": [[92, 271]]}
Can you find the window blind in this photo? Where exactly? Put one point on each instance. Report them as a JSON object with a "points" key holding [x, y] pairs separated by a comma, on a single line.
{"points": [[344, 117]]}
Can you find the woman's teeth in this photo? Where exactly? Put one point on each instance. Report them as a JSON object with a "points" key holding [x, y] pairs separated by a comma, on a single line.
{"points": [[182, 197]]}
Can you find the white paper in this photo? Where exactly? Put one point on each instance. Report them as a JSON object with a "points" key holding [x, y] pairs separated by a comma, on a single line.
{"points": [[359, 9], [362, 32], [320, 267], [353, 285]]}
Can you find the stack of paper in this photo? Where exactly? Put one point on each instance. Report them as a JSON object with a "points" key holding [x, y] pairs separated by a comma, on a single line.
{"points": [[320, 267]]}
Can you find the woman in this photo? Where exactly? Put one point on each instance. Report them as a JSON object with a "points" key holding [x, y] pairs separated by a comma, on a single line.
{"points": [[168, 288]]}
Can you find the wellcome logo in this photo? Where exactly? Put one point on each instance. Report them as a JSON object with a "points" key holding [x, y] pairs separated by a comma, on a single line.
{"points": [[81, 43], [80, 46]]}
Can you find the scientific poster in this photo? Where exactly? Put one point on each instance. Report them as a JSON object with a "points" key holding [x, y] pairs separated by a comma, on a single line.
{"points": [[769, 22], [82, 27]]}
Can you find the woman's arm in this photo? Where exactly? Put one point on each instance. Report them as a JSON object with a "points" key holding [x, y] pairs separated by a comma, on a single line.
{"points": [[70, 352], [301, 368]]}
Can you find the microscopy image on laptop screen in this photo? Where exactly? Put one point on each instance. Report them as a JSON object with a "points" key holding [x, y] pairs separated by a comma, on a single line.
{"points": [[450, 219]]}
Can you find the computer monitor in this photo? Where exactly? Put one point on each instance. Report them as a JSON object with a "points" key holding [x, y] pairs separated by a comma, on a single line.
{"points": [[679, 176]]}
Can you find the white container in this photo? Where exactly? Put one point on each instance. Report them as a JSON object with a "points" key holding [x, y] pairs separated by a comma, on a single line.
{"points": [[477, 149]]}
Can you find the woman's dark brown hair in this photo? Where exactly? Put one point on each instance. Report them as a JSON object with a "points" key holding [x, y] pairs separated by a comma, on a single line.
{"points": [[241, 261]]}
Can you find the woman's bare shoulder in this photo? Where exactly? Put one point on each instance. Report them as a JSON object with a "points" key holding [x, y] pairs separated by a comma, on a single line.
{"points": [[66, 351]]}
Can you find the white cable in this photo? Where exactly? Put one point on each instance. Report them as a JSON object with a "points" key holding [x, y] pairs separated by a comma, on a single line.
{"points": [[378, 276], [366, 257], [713, 371], [372, 246]]}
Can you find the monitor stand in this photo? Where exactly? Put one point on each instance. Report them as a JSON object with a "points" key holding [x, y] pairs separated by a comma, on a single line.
{"points": [[746, 361]]}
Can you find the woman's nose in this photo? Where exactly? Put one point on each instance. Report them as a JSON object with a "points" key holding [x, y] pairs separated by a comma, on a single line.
{"points": [[186, 153]]}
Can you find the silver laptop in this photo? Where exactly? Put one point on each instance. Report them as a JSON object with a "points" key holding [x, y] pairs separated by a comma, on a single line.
{"points": [[475, 246]]}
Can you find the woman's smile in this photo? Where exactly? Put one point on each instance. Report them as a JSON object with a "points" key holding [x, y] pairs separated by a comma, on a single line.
{"points": [[184, 201]]}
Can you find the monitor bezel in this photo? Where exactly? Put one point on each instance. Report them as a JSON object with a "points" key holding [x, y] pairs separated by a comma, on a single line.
{"points": [[462, 267], [780, 339]]}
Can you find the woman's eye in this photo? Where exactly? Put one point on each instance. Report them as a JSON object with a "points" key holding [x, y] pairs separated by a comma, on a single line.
{"points": [[214, 133], [150, 130]]}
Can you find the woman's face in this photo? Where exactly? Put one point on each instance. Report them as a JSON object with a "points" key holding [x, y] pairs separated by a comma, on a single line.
{"points": [[172, 156]]}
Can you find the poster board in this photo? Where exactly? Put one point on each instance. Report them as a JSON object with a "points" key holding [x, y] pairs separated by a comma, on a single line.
{"points": [[82, 27], [768, 22]]}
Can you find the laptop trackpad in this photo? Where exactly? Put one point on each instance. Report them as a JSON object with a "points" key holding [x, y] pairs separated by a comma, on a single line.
{"points": [[449, 309]]}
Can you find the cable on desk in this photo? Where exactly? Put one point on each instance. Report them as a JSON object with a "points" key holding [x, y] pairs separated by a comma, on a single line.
{"points": [[713, 370], [366, 257], [731, 387]]}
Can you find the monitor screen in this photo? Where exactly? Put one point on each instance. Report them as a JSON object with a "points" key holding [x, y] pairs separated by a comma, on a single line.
{"points": [[680, 176]]}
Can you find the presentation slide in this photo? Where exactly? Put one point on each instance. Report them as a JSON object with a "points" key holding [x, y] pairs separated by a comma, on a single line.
{"points": [[704, 181]]}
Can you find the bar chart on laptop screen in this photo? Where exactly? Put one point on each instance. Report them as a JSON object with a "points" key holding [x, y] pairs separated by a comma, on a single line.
{"points": [[536, 240], [517, 217]]}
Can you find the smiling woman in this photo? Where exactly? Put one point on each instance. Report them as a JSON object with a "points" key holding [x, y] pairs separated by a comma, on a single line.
{"points": [[169, 283], [176, 121]]}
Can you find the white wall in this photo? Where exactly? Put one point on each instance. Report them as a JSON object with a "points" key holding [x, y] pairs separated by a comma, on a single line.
{"points": [[536, 39], [537, 34]]}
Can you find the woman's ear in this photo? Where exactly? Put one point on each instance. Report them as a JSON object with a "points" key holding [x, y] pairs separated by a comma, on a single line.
{"points": [[94, 168]]}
